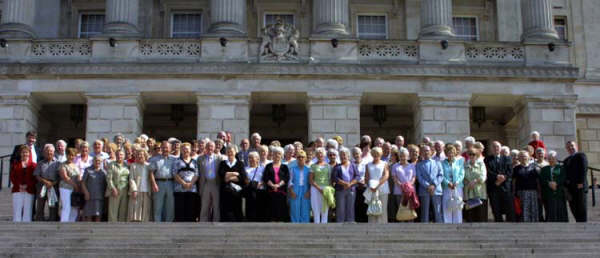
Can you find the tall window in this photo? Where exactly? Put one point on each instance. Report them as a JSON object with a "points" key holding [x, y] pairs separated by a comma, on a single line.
{"points": [[285, 18], [372, 27], [186, 25], [560, 25], [466, 28], [90, 24]]}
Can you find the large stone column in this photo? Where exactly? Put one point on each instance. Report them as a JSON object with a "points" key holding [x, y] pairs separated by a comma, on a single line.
{"points": [[224, 112], [109, 114], [228, 17], [552, 116], [17, 19], [538, 24], [509, 20], [436, 19], [334, 113], [121, 18], [18, 114], [442, 116], [330, 17]]}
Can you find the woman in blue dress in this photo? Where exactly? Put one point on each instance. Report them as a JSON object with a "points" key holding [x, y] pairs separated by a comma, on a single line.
{"points": [[299, 190]]}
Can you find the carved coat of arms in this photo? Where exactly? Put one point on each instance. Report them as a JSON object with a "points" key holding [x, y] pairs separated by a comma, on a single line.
{"points": [[279, 42]]}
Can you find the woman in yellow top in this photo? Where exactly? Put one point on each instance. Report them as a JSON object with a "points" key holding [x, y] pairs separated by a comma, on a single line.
{"points": [[320, 177], [474, 187], [117, 187]]}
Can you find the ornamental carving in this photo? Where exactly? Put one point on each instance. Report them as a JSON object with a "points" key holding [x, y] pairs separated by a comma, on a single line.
{"points": [[279, 42]]}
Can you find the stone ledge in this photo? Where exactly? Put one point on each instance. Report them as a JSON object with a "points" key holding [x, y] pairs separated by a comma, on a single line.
{"points": [[245, 69]]}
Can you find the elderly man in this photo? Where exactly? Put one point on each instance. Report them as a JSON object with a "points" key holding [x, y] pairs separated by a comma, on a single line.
{"points": [[119, 140], [439, 151], [255, 139], [222, 135], [576, 166], [430, 175], [387, 152], [61, 151], [399, 141], [46, 173], [242, 154], [379, 142], [209, 183], [161, 179], [499, 183], [319, 142], [469, 142], [97, 150]]}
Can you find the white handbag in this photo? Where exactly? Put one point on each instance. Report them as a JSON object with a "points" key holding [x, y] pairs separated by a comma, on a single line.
{"points": [[375, 206], [456, 201]]}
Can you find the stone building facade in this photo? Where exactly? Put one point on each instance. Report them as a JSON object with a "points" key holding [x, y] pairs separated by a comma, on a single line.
{"points": [[494, 69]]}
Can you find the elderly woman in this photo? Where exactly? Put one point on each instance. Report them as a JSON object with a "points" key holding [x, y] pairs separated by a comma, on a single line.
{"points": [[69, 183], [332, 157], [233, 180], [403, 174], [320, 177], [454, 173], [23, 190], [263, 153], [93, 187], [83, 160], [288, 155], [140, 203], [526, 186], [276, 177], [536, 142], [514, 157], [255, 190], [117, 183], [360, 207], [552, 179], [299, 194], [376, 178], [540, 158], [46, 173], [185, 173], [475, 187], [469, 142], [346, 176]]}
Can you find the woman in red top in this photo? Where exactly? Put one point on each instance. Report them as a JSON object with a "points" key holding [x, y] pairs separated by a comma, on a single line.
{"points": [[21, 176]]}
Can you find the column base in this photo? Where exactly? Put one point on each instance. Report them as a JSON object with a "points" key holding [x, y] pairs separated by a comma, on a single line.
{"points": [[120, 29], [540, 36], [16, 30], [331, 30], [226, 29]]}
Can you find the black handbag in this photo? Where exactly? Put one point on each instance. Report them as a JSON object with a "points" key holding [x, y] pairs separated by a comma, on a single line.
{"points": [[250, 190], [77, 199]]}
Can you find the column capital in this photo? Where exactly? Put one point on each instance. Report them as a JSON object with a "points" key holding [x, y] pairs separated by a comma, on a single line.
{"points": [[235, 97], [548, 101], [329, 97], [446, 99], [108, 98]]}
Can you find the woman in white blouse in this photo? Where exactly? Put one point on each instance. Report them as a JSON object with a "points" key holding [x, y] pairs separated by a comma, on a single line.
{"points": [[255, 190], [376, 177]]}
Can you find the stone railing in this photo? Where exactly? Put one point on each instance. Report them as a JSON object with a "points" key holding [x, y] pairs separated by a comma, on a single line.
{"points": [[170, 48], [388, 50], [494, 52], [61, 48]]}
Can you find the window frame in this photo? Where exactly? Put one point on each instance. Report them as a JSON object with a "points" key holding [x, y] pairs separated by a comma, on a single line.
{"points": [[565, 26], [477, 27], [264, 17], [387, 31], [172, 19], [80, 19]]}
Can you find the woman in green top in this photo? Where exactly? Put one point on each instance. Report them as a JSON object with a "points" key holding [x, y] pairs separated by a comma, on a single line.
{"points": [[474, 186], [117, 188], [552, 179], [319, 178]]}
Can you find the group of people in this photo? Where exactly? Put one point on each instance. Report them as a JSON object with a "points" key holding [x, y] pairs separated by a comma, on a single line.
{"points": [[375, 181]]}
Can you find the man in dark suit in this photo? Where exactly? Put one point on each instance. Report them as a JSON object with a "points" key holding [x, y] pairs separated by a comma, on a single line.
{"points": [[576, 166], [499, 177], [243, 152], [35, 154]]}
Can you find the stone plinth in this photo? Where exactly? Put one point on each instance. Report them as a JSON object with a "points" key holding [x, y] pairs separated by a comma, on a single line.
{"points": [[334, 113], [552, 116], [236, 50], [442, 116], [18, 114], [224, 112], [109, 114]]}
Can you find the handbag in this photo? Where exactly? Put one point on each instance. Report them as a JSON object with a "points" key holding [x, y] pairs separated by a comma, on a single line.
{"points": [[405, 213], [375, 206], [473, 203], [77, 199], [456, 202], [250, 190]]}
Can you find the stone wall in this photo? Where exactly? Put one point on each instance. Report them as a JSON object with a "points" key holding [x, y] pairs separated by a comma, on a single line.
{"points": [[158, 123], [588, 137], [18, 114], [331, 114], [223, 112], [110, 114], [442, 116]]}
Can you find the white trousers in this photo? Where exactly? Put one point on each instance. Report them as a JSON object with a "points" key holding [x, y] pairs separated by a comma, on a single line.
{"points": [[451, 216], [316, 203], [22, 206], [67, 213]]}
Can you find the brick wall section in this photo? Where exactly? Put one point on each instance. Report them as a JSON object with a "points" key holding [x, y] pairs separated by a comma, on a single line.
{"points": [[109, 114], [588, 136], [331, 114], [18, 114], [224, 112], [442, 116]]}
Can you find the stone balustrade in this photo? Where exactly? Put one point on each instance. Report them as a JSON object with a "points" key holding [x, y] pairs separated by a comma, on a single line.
{"points": [[311, 51]]}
